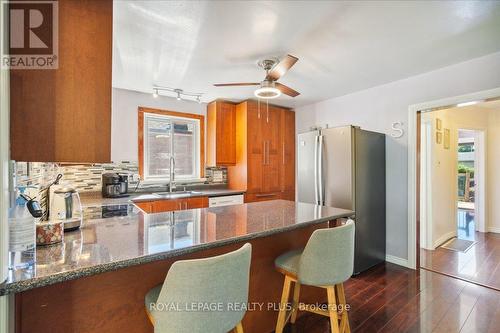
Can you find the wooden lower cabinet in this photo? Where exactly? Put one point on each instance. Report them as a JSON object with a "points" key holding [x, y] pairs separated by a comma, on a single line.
{"points": [[167, 205], [146, 206], [254, 197], [198, 202], [288, 195]]}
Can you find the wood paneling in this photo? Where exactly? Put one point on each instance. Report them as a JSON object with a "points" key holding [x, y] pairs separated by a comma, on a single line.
{"points": [[140, 131], [114, 301], [64, 115], [221, 133]]}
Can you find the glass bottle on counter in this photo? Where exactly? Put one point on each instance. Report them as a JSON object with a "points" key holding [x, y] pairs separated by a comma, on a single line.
{"points": [[22, 230]]}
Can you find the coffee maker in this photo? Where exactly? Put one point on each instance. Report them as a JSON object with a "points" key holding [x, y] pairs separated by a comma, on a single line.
{"points": [[114, 185]]}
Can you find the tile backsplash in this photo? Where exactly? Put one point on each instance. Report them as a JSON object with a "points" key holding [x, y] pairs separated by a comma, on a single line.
{"points": [[87, 177], [84, 177]]}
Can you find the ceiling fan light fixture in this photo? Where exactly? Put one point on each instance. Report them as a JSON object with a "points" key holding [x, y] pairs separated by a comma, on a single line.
{"points": [[267, 90]]}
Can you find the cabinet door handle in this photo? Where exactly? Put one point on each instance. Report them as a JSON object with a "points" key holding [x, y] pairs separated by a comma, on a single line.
{"points": [[264, 144], [265, 195], [267, 152], [267, 117], [283, 153]]}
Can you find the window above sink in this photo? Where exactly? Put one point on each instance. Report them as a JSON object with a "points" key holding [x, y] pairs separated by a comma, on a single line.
{"points": [[163, 134]]}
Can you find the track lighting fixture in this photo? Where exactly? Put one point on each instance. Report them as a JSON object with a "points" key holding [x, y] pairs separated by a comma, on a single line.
{"points": [[179, 93]]}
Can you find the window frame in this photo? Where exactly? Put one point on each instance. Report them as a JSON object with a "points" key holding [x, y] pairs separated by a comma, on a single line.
{"points": [[143, 112]]}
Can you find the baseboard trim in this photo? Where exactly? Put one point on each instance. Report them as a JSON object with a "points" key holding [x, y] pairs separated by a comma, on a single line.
{"points": [[494, 229], [444, 238], [397, 260]]}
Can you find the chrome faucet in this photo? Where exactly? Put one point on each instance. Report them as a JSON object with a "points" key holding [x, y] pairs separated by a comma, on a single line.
{"points": [[171, 185]]}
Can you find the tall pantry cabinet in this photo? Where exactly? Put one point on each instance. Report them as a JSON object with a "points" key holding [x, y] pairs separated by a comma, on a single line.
{"points": [[265, 152]]}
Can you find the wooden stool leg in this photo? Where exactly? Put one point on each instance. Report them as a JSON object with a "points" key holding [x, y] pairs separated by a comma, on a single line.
{"points": [[344, 319], [238, 328], [295, 310], [280, 325], [334, 319]]}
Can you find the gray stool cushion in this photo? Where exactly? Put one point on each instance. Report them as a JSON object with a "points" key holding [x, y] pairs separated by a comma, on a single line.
{"points": [[152, 297], [289, 261]]}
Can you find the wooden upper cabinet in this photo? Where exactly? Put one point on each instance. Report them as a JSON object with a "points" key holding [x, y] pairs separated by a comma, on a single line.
{"points": [[221, 134], [64, 115]]}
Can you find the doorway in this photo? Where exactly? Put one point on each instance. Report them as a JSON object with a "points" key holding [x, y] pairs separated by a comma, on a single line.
{"points": [[467, 184], [459, 146]]}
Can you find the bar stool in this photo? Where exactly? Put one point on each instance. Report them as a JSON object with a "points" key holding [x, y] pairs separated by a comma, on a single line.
{"points": [[326, 262], [202, 295]]}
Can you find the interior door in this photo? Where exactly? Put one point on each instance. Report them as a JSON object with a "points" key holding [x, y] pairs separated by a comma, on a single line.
{"points": [[271, 133]]}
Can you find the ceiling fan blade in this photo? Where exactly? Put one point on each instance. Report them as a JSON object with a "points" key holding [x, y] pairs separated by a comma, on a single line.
{"points": [[237, 84], [281, 68], [286, 90]]}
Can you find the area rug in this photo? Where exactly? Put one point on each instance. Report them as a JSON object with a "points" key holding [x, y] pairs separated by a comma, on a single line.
{"points": [[459, 245]]}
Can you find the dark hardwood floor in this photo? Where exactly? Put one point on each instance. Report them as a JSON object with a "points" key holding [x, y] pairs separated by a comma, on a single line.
{"points": [[391, 298], [480, 264]]}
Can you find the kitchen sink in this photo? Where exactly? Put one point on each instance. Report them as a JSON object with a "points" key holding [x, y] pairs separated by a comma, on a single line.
{"points": [[176, 195]]}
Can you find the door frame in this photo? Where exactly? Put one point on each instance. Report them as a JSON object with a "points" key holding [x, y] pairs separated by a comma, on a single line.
{"points": [[414, 160], [426, 185]]}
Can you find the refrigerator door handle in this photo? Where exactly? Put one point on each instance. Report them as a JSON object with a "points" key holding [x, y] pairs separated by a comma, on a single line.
{"points": [[316, 198], [320, 172]]}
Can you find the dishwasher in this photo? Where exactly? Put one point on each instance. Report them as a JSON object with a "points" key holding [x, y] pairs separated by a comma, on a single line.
{"points": [[227, 200]]}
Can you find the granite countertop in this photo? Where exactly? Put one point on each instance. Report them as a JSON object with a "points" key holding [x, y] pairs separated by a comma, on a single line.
{"points": [[96, 200], [106, 244]]}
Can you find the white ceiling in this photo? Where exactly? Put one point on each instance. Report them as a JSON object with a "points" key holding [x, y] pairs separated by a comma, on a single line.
{"points": [[342, 46]]}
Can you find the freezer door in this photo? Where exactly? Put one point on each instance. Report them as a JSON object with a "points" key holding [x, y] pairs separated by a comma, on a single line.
{"points": [[337, 167], [307, 162], [370, 199]]}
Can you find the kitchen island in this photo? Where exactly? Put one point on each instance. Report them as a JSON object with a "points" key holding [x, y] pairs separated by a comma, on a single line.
{"points": [[97, 279]]}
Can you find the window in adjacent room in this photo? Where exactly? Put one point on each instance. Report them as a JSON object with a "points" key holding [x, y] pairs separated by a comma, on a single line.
{"points": [[166, 133]]}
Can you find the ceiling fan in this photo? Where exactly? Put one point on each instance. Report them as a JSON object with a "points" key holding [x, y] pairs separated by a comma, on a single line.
{"points": [[269, 88]]}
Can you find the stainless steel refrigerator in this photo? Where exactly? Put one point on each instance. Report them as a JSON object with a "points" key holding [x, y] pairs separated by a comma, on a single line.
{"points": [[345, 167]]}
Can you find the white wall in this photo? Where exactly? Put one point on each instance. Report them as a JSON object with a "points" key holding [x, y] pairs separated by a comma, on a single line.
{"points": [[124, 119], [377, 108], [443, 180]]}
